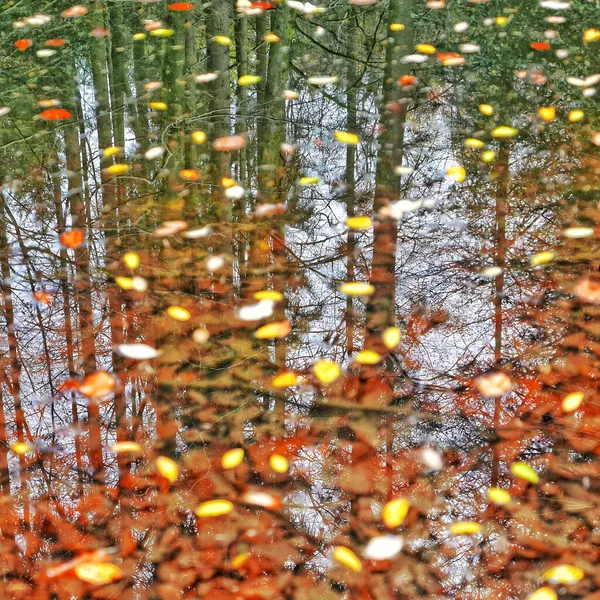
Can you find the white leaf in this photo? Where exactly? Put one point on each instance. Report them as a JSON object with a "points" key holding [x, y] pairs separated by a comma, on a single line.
{"points": [[383, 547], [137, 351]]}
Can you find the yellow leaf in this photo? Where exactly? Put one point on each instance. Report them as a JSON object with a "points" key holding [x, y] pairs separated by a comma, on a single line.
{"points": [[286, 379], [502, 21], [524, 471], [503, 131], [161, 32], [214, 508], [239, 559], [498, 496], [486, 109], [223, 40], [488, 156], [308, 180], [179, 313], [465, 528], [118, 169], [367, 357], [547, 113], [591, 35], [563, 574], [168, 468], [396, 27], [576, 115], [541, 258], [249, 79], [544, 593], [98, 573], [279, 463], [359, 222], [326, 371], [271, 38], [572, 401], [425, 48], [131, 260], [111, 151], [456, 173], [346, 138], [357, 288], [278, 329], [232, 458], [268, 295], [138, 37], [126, 447], [474, 143], [391, 337], [125, 283], [346, 557], [20, 447], [198, 137], [394, 512], [158, 105]]}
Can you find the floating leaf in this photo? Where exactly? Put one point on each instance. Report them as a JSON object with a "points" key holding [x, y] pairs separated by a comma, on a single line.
{"points": [[326, 371], [543, 593], [214, 508], [474, 143], [249, 80], [22, 45], [576, 115], [524, 471], [168, 468], [271, 38], [308, 180], [278, 329], [493, 384], [179, 313], [73, 238], [547, 113], [189, 174], [97, 385], [232, 458], [391, 337], [367, 357], [383, 547], [346, 138], [272, 295], [486, 109], [563, 574], [117, 169], [572, 401], [98, 573], [20, 447], [198, 137], [346, 557], [394, 512], [229, 143], [279, 463], [591, 35], [55, 114], [181, 6], [425, 48], [542, 258], [503, 131], [578, 232], [457, 174], [285, 379], [161, 32], [359, 222], [126, 447], [498, 496], [259, 498], [137, 351], [465, 528], [223, 40], [158, 105], [74, 11], [357, 288]]}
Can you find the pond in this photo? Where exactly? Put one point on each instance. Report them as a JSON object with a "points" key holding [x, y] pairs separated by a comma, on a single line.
{"points": [[300, 301]]}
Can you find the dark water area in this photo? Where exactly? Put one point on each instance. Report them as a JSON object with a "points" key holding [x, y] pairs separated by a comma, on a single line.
{"points": [[300, 301]]}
